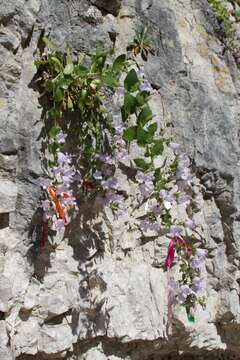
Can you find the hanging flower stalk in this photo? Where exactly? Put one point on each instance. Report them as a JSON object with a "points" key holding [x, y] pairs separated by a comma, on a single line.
{"points": [[104, 105]]}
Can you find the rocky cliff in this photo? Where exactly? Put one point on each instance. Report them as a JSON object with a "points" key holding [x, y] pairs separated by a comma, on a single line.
{"points": [[101, 293]]}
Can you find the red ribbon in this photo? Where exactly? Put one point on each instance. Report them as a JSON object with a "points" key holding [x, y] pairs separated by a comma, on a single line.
{"points": [[43, 236], [88, 184], [171, 251]]}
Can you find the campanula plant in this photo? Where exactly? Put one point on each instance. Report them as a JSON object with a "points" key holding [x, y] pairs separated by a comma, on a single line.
{"points": [[102, 102]]}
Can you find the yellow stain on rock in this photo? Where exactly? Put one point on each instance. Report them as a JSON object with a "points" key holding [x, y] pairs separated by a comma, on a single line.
{"points": [[203, 50], [3, 103], [223, 79], [201, 30]]}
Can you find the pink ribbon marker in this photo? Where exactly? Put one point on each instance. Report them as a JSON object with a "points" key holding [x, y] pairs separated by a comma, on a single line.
{"points": [[169, 263], [171, 251]]}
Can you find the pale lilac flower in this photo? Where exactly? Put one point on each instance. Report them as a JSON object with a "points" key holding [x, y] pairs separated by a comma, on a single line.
{"points": [[184, 292], [145, 86], [105, 158], [77, 176], [143, 177], [146, 183], [199, 259], [98, 175], [198, 286], [67, 179], [184, 160], [119, 213], [184, 174], [120, 91], [45, 183], [59, 224], [175, 231], [119, 94], [107, 171], [196, 263], [190, 224], [60, 137], [57, 171], [61, 188], [184, 199], [201, 253], [175, 147], [113, 197], [168, 199], [153, 206], [119, 128], [146, 225], [111, 183], [63, 158], [121, 155], [140, 73], [118, 140], [146, 188], [155, 226]]}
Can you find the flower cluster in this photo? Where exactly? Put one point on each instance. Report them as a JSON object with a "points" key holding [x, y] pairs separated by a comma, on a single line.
{"points": [[160, 200], [112, 113], [57, 186], [188, 291]]}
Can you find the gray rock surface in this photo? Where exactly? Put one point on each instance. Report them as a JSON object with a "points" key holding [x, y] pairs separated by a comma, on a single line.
{"points": [[101, 295]]}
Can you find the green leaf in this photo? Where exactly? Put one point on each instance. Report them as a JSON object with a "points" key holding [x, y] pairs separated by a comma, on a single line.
{"points": [[124, 113], [130, 133], [82, 97], [237, 14], [143, 97], [54, 131], [54, 113], [119, 63], [145, 115], [69, 103], [152, 128], [53, 147], [64, 82], [130, 103], [55, 62], [166, 217], [49, 85], [110, 81], [80, 70], [58, 94], [131, 82], [48, 43], [68, 69], [142, 136], [142, 164], [157, 174], [157, 148]]}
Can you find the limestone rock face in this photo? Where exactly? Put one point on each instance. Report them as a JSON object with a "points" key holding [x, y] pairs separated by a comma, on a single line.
{"points": [[102, 293]]}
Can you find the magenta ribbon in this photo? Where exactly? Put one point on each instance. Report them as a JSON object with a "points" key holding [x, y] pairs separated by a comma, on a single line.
{"points": [[171, 251], [169, 263]]}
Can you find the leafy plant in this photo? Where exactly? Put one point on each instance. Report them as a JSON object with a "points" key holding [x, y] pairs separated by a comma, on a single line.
{"points": [[97, 108], [222, 13], [237, 14], [141, 44]]}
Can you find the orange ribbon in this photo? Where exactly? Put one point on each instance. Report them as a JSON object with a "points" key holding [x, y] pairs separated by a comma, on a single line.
{"points": [[58, 206]]}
